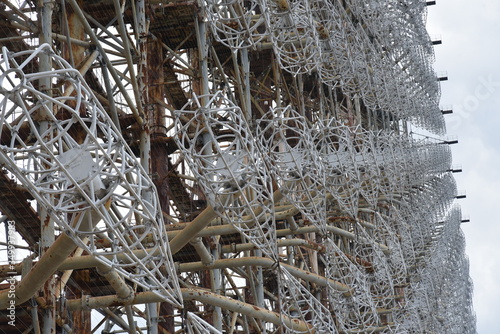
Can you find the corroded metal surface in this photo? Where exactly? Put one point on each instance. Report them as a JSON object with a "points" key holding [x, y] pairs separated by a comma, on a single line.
{"points": [[268, 140]]}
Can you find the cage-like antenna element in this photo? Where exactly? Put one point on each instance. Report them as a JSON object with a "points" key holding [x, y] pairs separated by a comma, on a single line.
{"points": [[237, 24], [355, 309], [82, 172], [297, 302], [334, 144], [292, 32], [222, 154], [289, 150]]}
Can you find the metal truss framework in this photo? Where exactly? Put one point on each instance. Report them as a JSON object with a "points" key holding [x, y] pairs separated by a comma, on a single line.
{"points": [[226, 167]]}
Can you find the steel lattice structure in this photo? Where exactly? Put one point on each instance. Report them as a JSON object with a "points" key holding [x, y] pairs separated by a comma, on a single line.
{"points": [[226, 167]]}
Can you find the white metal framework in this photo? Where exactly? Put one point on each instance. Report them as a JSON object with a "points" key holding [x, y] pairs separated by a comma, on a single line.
{"points": [[84, 178], [226, 166]]}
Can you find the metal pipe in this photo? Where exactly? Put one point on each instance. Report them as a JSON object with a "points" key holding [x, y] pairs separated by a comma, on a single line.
{"points": [[89, 261], [49, 263], [141, 90], [259, 287], [234, 317], [116, 319], [336, 231], [83, 70], [130, 319], [75, 41], [95, 40], [152, 317], [236, 248], [217, 62], [192, 229], [233, 285], [201, 39], [18, 12], [67, 32], [43, 270], [291, 222], [184, 236], [128, 56], [216, 284], [246, 94], [200, 295], [206, 257], [47, 238], [67, 274], [368, 330], [111, 100], [266, 263], [85, 67], [35, 321], [121, 288]]}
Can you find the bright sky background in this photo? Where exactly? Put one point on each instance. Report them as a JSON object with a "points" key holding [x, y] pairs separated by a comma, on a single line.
{"points": [[469, 54]]}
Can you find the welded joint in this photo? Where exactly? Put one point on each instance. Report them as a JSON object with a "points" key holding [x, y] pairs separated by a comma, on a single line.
{"points": [[123, 290], [206, 258], [291, 221]]}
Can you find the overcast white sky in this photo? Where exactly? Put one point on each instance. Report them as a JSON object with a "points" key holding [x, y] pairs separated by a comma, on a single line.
{"points": [[470, 56]]}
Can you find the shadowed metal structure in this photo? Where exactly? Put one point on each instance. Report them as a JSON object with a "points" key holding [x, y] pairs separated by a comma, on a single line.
{"points": [[226, 167]]}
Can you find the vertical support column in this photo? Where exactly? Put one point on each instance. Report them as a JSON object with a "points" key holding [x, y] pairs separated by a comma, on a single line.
{"points": [[247, 101], [350, 110], [210, 278], [405, 128], [259, 289], [312, 254], [48, 305], [46, 8], [375, 119], [201, 38], [145, 140], [155, 115], [152, 312], [154, 154], [369, 118], [299, 86], [81, 319], [277, 81], [73, 52], [215, 277], [357, 109], [142, 81]]}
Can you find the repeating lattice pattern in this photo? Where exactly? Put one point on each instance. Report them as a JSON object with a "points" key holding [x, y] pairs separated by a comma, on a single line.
{"points": [[333, 169], [286, 140], [297, 302], [320, 157], [379, 51], [225, 159], [91, 187]]}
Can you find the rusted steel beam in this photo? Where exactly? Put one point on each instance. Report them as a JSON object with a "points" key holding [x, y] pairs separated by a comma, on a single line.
{"points": [[14, 203]]}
